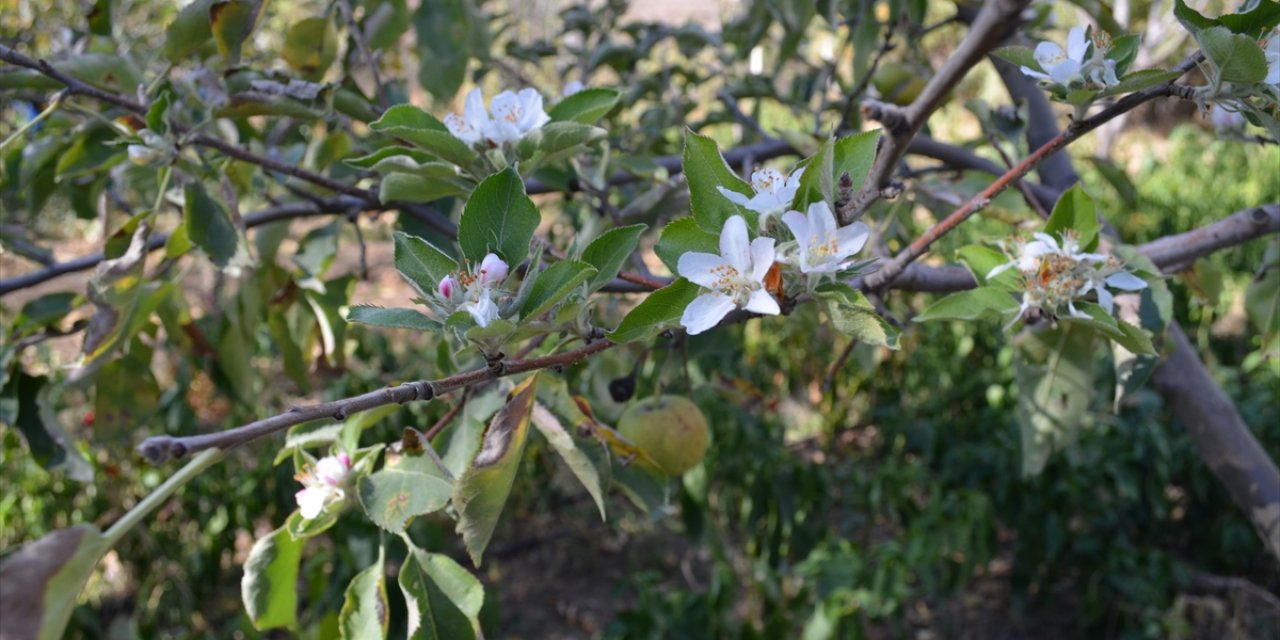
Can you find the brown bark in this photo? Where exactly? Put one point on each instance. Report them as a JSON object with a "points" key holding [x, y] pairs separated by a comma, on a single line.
{"points": [[1221, 437]]}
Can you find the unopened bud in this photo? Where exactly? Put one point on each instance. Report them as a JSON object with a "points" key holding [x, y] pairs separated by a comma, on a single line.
{"points": [[448, 285], [493, 270]]}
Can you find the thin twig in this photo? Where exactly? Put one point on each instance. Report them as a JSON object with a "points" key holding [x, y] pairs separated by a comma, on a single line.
{"points": [[363, 48], [158, 449]]}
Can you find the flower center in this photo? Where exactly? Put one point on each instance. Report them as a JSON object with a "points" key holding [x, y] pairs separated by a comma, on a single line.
{"points": [[822, 247], [510, 113], [767, 181], [729, 280]]}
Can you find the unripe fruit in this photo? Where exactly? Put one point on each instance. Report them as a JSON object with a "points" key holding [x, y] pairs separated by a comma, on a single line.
{"points": [[899, 82], [671, 429]]}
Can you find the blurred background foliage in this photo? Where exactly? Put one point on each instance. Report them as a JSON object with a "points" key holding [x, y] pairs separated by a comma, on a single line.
{"points": [[881, 498]]}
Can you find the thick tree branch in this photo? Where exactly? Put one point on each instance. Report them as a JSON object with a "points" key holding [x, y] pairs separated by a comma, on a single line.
{"points": [[1221, 437]]}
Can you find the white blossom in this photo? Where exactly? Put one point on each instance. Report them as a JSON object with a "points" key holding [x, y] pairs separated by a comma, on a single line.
{"points": [[322, 484], [824, 248], [1058, 274], [773, 193], [734, 279], [514, 115], [1077, 64], [475, 292]]}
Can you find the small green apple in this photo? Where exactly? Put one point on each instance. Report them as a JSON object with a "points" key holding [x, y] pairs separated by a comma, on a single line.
{"points": [[671, 429]]}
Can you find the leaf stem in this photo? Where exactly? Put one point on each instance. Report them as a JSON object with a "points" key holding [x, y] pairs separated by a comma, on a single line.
{"points": [[48, 111], [129, 520]]}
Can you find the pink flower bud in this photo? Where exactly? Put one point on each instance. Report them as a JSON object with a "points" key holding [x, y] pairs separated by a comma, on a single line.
{"points": [[344, 459], [447, 286], [493, 271]]}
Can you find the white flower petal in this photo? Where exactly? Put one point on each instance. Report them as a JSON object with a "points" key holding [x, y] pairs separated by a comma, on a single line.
{"points": [[1126, 281], [1028, 71], [735, 245], [1077, 44], [761, 258], [1106, 300], [702, 269], [311, 502], [473, 109], [331, 471], [733, 196], [850, 239], [763, 303], [1000, 269], [1064, 73], [1049, 54], [705, 312], [822, 223]]}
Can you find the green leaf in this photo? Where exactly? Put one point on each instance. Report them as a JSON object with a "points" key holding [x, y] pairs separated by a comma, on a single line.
{"points": [[586, 106], [365, 613], [91, 153], [1020, 56], [557, 139], [498, 217], [42, 579], [587, 458], [414, 125], [395, 318], [443, 598], [704, 170], [1193, 20], [189, 31], [980, 260], [393, 495], [1256, 22], [421, 264], [405, 187], [442, 29], [553, 284], [231, 22], [212, 227], [970, 305], [854, 155], [682, 236], [1054, 370], [269, 587], [481, 493], [817, 183], [1075, 210], [609, 251], [659, 310], [853, 315], [639, 477], [310, 47], [1237, 58]]}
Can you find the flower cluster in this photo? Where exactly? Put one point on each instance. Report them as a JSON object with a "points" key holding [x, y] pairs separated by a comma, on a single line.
{"points": [[1056, 275], [736, 278], [322, 485], [475, 292], [514, 115], [1080, 64]]}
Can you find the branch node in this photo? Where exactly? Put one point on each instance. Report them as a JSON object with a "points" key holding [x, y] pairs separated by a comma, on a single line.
{"points": [[340, 414]]}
